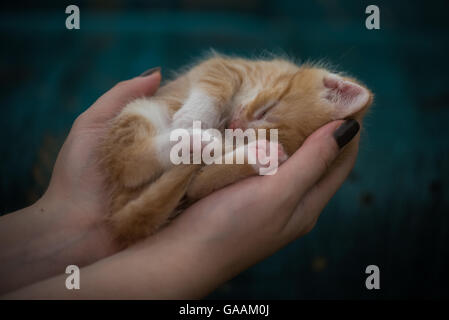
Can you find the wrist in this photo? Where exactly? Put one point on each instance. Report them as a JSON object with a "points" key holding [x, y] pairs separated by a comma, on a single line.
{"points": [[81, 231], [41, 240]]}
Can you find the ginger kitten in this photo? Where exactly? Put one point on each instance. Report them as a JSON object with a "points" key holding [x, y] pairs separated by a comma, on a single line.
{"points": [[147, 189]]}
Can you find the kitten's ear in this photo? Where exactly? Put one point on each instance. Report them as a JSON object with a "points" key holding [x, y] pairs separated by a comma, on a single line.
{"points": [[346, 96]]}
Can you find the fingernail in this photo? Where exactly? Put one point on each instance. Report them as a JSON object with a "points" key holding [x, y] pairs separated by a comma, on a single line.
{"points": [[346, 132], [150, 71]]}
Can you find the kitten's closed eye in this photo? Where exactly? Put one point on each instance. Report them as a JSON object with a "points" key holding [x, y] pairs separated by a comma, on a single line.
{"points": [[262, 112]]}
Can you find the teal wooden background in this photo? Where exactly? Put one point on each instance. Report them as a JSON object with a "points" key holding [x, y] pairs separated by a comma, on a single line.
{"points": [[393, 209]]}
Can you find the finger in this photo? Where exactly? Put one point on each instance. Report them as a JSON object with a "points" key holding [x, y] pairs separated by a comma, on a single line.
{"points": [[310, 162], [113, 101], [314, 201]]}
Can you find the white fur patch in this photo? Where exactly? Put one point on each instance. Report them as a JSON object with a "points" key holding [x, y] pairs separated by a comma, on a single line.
{"points": [[153, 111], [198, 106]]}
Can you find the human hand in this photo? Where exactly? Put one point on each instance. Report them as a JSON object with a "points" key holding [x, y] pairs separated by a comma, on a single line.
{"points": [[212, 241], [66, 225], [236, 227], [224, 233], [76, 185]]}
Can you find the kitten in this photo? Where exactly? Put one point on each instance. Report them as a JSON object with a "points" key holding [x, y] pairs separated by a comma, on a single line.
{"points": [[147, 189]]}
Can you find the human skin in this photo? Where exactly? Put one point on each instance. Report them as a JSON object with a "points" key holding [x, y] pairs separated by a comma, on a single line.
{"points": [[211, 242]]}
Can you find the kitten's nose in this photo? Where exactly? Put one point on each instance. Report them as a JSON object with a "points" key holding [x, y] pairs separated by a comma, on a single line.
{"points": [[237, 124]]}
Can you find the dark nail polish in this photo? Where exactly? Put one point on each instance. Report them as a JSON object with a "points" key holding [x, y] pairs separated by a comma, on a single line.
{"points": [[150, 71], [346, 132]]}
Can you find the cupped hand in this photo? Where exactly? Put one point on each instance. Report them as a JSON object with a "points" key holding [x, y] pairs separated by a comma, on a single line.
{"points": [[76, 189], [209, 243], [237, 226]]}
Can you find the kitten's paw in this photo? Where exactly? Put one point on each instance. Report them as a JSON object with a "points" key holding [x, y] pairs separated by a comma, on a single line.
{"points": [[282, 155], [198, 107], [266, 156]]}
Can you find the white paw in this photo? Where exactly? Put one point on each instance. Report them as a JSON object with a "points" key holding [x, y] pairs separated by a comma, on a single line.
{"points": [[199, 106], [266, 156]]}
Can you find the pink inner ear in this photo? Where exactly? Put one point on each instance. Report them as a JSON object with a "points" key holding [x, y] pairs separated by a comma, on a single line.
{"points": [[347, 96]]}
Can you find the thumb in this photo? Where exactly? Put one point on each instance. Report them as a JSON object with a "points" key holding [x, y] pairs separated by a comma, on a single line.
{"points": [[310, 162]]}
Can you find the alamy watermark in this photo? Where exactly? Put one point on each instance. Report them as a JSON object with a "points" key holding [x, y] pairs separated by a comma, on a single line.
{"points": [[371, 22], [72, 282], [196, 146], [73, 20], [373, 280]]}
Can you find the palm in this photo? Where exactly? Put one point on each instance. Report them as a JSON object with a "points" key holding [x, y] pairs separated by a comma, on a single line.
{"points": [[76, 180]]}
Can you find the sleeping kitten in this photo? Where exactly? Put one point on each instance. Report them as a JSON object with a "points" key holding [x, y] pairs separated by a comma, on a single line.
{"points": [[147, 189]]}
